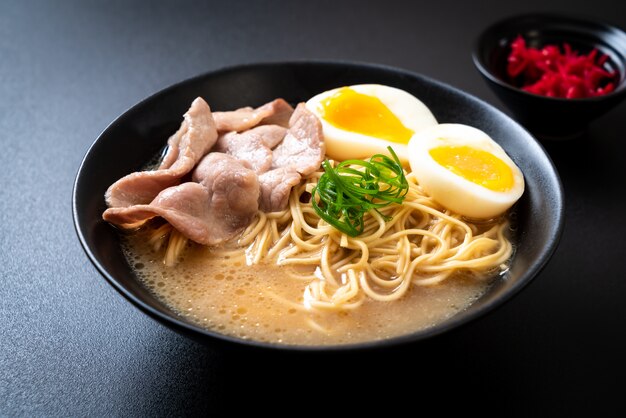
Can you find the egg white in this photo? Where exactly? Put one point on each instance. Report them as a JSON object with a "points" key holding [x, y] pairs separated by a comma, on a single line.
{"points": [[342, 145], [451, 190]]}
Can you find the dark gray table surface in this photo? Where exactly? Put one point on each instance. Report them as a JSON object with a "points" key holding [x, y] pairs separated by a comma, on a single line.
{"points": [[70, 345]]}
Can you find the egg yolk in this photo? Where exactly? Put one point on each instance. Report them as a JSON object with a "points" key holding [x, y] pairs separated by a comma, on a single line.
{"points": [[475, 165], [356, 112]]}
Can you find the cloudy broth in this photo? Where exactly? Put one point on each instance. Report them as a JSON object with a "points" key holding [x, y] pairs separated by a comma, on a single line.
{"points": [[263, 302]]}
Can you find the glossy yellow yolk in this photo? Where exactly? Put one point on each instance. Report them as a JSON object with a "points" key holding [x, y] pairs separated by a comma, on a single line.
{"points": [[475, 165], [363, 114]]}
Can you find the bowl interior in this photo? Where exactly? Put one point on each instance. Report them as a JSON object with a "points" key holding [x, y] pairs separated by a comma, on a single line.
{"points": [[138, 134]]}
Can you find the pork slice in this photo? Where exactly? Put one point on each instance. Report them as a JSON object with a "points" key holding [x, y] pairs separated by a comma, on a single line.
{"points": [[275, 188], [184, 206], [246, 147], [211, 211], [195, 137], [253, 146], [271, 135], [173, 147], [276, 112], [303, 146]]}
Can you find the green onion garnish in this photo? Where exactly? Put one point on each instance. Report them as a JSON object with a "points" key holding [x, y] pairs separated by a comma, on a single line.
{"points": [[354, 187]]}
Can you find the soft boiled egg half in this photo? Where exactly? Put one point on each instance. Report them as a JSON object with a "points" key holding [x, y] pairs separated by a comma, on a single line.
{"points": [[363, 120], [465, 170]]}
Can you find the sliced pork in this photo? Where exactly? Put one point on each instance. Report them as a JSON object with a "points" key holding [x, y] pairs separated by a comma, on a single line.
{"points": [[215, 207], [299, 154], [195, 137], [271, 135], [297, 151], [276, 186], [253, 146], [276, 112], [246, 147], [303, 146], [255, 165]]}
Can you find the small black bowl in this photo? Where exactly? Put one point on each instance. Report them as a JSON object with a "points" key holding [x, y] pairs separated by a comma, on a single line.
{"points": [[138, 134], [547, 117]]}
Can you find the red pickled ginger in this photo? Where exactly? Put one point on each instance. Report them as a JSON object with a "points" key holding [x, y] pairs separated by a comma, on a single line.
{"points": [[554, 73]]}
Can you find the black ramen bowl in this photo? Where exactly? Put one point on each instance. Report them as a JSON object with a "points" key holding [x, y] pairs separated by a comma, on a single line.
{"points": [[549, 117], [137, 135]]}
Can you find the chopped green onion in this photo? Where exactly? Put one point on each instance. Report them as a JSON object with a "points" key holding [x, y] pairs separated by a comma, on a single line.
{"points": [[355, 187]]}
